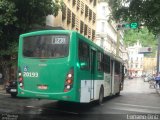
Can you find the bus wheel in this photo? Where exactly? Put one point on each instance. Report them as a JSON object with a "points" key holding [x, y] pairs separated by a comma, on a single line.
{"points": [[101, 95], [118, 93], [13, 95]]}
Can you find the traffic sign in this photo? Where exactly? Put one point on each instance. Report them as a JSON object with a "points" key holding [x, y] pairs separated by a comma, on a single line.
{"points": [[145, 50], [132, 25]]}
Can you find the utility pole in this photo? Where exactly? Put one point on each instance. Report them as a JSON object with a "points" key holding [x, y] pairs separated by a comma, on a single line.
{"points": [[118, 42]]}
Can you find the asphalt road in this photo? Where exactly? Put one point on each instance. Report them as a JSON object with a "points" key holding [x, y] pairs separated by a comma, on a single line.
{"points": [[137, 101]]}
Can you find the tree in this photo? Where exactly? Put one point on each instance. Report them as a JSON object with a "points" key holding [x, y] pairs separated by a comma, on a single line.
{"points": [[19, 16], [7, 19], [146, 39], [33, 12], [143, 11]]}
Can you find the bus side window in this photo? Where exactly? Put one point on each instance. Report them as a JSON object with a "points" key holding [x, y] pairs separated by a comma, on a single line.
{"points": [[106, 63], [83, 55], [117, 67], [100, 62]]}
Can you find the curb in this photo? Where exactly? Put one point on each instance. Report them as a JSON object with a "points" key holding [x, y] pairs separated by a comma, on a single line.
{"points": [[2, 90]]}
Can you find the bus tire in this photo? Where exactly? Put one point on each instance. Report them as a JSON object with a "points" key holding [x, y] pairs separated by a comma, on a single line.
{"points": [[101, 95], [118, 93], [13, 95]]}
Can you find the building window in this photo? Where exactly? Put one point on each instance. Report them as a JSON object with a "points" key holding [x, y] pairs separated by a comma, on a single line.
{"points": [[86, 11], [89, 32], [103, 10], [77, 24], [68, 16], [78, 4], [85, 29], [73, 3], [90, 1], [94, 2], [82, 7], [94, 17], [73, 20], [131, 60], [102, 27], [64, 12], [93, 34], [81, 27], [90, 14]]}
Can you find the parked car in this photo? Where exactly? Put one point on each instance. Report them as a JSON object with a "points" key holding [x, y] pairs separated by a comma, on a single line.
{"points": [[148, 78], [11, 88], [130, 77]]}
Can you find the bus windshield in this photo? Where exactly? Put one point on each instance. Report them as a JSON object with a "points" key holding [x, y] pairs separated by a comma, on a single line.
{"points": [[46, 46]]}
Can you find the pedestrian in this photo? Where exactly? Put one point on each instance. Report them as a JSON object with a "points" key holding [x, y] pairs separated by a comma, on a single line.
{"points": [[157, 79], [1, 78]]}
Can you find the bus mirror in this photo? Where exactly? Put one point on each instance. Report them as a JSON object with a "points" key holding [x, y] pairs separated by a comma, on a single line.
{"points": [[83, 65]]}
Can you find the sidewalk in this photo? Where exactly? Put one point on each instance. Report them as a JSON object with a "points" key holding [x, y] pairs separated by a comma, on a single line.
{"points": [[137, 85], [2, 90]]}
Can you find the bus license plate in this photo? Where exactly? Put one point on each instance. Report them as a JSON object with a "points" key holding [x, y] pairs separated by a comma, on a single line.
{"points": [[13, 90], [42, 87]]}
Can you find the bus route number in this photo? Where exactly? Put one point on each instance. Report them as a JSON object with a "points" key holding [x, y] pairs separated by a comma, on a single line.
{"points": [[30, 74], [61, 40]]}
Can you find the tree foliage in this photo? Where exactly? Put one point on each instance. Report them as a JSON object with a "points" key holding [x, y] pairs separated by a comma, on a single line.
{"points": [[143, 11], [19, 16], [7, 19], [146, 38]]}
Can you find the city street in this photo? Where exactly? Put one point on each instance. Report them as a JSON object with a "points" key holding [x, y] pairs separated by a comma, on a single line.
{"points": [[136, 98], [54, 51]]}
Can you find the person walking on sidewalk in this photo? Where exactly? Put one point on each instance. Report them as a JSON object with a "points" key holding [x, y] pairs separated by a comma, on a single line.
{"points": [[1, 78], [157, 79]]}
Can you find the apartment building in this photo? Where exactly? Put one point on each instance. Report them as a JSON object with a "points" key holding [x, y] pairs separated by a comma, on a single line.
{"points": [[151, 67], [91, 19], [136, 60], [107, 35], [79, 15]]}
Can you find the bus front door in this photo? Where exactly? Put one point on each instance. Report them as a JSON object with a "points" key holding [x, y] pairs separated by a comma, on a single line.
{"points": [[93, 68]]}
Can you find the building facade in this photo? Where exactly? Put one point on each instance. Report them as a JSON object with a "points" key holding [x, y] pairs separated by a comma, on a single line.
{"points": [[151, 67], [79, 15], [107, 35], [135, 60], [91, 19]]}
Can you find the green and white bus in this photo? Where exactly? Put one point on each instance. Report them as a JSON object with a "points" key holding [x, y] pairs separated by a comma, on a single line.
{"points": [[64, 65]]}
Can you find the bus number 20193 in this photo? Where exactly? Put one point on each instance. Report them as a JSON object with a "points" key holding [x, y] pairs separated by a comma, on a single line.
{"points": [[30, 74]]}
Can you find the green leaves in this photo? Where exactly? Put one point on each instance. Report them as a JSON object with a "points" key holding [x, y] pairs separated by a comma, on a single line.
{"points": [[31, 12], [144, 11], [19, 16], [7, 10], [146, 38]]}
